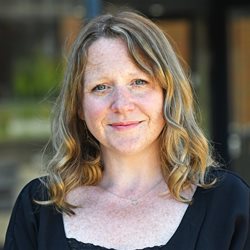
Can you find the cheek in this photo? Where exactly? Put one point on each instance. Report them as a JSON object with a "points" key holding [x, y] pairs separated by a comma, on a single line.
{"points": [[91, 115], [154, 104], [92, 111]]}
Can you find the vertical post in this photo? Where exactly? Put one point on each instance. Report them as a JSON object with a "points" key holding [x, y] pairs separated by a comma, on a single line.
{"points": [[217, 22], [93, 8]]}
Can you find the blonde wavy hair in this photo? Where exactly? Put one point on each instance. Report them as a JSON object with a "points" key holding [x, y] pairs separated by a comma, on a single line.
{"points": [[76, 159]]}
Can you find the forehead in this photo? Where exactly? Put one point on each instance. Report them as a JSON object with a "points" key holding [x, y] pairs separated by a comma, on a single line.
{"points": [[105, 49], [109, 55]]}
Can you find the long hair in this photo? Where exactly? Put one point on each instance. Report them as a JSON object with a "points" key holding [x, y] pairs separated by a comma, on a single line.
{"points": [[76, 160]]}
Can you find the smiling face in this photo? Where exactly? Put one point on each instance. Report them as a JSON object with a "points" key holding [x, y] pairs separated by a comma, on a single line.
{"points": [[122, 106]]}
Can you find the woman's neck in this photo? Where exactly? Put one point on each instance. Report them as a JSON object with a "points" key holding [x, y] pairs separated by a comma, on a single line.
{"points": [[131, 173]]}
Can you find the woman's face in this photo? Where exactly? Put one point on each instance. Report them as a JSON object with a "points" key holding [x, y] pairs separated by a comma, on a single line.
{"points": [[122, 106]]}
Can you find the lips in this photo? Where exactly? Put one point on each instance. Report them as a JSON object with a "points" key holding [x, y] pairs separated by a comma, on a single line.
{"points": [[125, 125]]}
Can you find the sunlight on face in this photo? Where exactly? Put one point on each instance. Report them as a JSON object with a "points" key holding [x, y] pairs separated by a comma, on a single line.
{"points": [[122, 105]]}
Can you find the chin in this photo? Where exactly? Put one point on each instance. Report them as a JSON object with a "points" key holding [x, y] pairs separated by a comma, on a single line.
{"points": [[130, 150]]}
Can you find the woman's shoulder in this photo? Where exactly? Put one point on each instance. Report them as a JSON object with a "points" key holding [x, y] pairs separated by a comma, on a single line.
{"points": [[228, 185], [35, 189], [227, 178]]}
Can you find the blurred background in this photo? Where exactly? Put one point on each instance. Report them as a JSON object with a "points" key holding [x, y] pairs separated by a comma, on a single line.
{"points": [[212, 37]]}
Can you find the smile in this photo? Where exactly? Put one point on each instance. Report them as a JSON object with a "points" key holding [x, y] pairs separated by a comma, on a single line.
{"points": [[125, 125]]}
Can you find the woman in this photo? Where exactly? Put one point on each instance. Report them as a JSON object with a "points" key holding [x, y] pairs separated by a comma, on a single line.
{"points": [[131, 169]]}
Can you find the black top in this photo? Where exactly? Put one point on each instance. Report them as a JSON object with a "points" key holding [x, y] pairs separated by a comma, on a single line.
{"points": [[77, 245], [217, 219]]}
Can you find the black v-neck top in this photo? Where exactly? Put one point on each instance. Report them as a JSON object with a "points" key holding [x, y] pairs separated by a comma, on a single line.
{"points": [[217, 219], [77, 245]]}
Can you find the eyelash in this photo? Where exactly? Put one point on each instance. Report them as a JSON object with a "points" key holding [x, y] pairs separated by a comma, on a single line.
{"points": [[96, 88], [141, 80]]}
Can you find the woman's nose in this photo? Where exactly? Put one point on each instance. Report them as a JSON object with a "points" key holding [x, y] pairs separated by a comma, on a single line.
{"points": [[122, 100]]}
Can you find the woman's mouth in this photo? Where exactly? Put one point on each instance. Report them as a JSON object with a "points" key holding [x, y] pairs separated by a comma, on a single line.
{"points": [[125, 125]]}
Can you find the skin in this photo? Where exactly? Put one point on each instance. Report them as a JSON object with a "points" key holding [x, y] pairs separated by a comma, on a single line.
{"points": [[123, 108]]}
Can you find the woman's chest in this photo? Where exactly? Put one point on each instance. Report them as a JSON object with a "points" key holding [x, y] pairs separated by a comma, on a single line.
{"points": [[123, 225]]}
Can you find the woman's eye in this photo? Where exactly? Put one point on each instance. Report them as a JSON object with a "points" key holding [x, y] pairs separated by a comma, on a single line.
{"points": [[100, 88], [139, 82]]}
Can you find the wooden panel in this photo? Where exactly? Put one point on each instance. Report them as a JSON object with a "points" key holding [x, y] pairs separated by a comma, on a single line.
{"points": [[239, 70], [179, 32]]}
